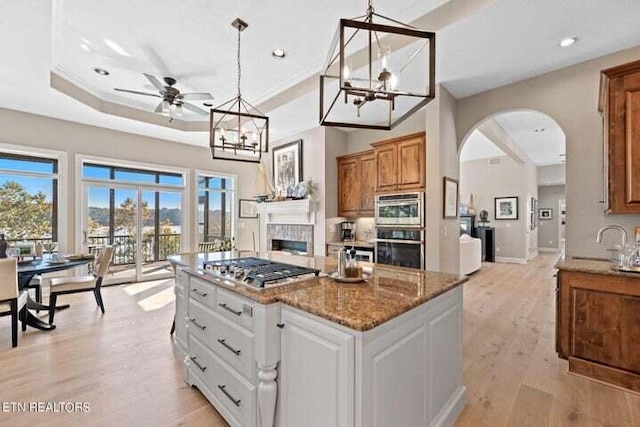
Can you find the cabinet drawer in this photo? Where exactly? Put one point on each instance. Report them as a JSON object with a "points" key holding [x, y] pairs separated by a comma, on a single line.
{"points": [[233, 344], [201, 323], [203, 292], [236, 395], [235, 308]]}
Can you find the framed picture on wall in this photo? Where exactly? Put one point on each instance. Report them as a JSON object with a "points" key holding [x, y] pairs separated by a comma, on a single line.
{"points": [[545, 213], [506, 208], [247, 209], [287, 167], [450, 198]]}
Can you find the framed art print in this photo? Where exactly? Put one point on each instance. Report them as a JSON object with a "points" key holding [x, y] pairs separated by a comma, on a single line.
{"points": [[287, 166], [450, 198], [506, 208], [247, 209]]}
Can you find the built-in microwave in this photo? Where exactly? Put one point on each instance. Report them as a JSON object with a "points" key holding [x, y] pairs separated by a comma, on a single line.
{"points": [[405, 210]]}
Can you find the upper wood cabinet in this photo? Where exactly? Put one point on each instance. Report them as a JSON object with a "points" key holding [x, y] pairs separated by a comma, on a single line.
{"points": [[356, 184], [620, 106], [400, 163]]}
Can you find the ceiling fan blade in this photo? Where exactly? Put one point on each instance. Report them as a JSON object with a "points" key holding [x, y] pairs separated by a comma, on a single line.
{"points": [[155, 82], [158, 108], [136, 92], [195, 109], [196, 96]]}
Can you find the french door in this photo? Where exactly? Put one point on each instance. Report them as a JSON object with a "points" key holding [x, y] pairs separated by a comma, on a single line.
{"points": [[143, 223]]}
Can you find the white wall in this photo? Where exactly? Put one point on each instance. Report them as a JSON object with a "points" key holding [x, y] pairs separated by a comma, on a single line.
{"points": [[30, 130], [504, 178], [569, 96]]}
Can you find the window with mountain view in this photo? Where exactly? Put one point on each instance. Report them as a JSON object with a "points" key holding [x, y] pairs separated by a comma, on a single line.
{"points": [[215, 208], [28, 198]]}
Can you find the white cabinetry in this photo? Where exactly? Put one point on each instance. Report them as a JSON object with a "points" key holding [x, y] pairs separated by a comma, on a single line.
{"points": [[180, 335], [316, 375]]}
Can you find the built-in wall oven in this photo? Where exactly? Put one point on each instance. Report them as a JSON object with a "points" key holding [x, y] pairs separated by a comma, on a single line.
{"points": [[400, 235]]}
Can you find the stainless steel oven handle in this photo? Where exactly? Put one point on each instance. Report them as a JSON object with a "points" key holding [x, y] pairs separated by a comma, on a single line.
{"points": [[411, 242], [415, 202]]}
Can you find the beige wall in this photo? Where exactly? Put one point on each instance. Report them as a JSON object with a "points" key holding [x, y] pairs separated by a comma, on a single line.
{"points": [[487, 181], [360, 140], [29, 130], [552, 175], [548, 197], [569, 96], [313, 167]]}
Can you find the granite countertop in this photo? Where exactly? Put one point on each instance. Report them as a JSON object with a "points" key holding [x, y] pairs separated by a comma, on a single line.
{"points": [[593, 266], [390, 292], [356, 243]]}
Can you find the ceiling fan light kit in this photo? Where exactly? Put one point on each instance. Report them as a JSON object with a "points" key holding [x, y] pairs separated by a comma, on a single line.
{"points": [[376, 74], [238, 131]]}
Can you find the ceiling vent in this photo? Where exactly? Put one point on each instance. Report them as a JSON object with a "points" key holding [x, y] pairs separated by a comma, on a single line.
{"points": [[494, 161]]}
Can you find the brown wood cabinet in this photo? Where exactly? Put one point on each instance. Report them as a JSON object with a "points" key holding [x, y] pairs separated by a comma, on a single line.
{"points": [[598, 326], [400, 163], [356, 184], [620, 106]]}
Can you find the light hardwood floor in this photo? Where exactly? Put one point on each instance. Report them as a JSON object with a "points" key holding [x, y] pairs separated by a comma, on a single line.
{"points": [[122, 363]]}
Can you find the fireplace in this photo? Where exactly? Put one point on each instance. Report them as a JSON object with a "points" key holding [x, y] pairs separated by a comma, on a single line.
{"points": [[294, 238], [293, 246]]}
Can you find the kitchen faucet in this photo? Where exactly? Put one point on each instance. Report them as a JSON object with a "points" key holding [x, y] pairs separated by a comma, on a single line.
{"points": [[622, 253]]}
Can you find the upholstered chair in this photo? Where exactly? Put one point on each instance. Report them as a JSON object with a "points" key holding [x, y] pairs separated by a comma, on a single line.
{"points": [[75, 284], [12, 301]]}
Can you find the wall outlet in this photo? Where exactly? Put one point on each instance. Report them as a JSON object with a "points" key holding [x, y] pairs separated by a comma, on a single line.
{"points": [[508, 225], [445, 231], [497, 248], [332, 229], [241, 225]]}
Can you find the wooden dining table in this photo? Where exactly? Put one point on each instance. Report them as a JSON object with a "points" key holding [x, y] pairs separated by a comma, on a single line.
{"points": [[28, 269]]}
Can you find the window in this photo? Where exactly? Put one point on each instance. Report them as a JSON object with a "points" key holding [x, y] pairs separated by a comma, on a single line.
{"points": [[215, 208], [130, 175], [28, 198]]}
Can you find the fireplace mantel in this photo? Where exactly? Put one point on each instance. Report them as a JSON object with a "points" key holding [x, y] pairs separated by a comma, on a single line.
{"points": [[288, 212]]}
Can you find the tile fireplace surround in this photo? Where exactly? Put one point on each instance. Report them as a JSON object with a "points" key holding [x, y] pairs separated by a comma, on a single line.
{"points": [[291, 232]]}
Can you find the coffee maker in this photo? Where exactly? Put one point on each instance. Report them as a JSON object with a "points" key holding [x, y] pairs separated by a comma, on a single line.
{"points": [[348, 231]]}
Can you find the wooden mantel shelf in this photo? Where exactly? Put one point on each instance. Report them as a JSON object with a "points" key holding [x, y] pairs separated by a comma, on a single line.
{"points": [[288, 211]]}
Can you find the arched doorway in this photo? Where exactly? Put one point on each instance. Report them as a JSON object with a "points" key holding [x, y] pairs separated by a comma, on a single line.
{"points": [[512, 185]]}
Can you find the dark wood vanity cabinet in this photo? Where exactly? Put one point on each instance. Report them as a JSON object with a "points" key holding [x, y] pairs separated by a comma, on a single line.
{"points": [[598, 326], [620, 107]]}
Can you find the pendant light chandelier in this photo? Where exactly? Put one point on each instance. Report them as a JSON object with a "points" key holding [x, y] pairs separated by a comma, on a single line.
{"points": [[238, 131], [377, 74]]}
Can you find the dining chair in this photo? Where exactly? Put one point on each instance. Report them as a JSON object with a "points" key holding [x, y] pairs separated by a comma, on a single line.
{"points": [[36, 281], [75, 284], [12, 301]]}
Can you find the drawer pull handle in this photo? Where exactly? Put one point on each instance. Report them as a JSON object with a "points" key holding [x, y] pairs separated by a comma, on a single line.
{"points": [[200, 294], [224, 305], [228, 347], [195, 362], [280, 325], [223, 388], [198, 325]]}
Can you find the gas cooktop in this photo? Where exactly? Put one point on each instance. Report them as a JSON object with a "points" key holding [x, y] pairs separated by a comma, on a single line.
{"points": [[257, 272]]}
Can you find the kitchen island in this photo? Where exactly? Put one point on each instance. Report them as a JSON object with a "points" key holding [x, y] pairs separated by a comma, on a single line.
{"points": [[598, 321], [387, 352]]}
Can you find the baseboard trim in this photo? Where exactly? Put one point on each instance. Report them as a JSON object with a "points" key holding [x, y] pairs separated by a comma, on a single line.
{"points": [[452, 409], [511, 260], [553, 250], [533, 255]]}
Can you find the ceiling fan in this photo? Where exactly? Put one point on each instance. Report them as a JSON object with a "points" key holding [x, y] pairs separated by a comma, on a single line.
{"points": [[172, 97]]}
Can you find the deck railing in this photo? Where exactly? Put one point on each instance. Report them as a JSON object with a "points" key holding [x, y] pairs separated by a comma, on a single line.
{"points": [[125, 247]]}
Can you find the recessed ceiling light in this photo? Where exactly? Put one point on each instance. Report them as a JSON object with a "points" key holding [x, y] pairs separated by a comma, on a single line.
{"points": [[85, 47], [539, 130], [101, 71], [116, 47], [278, 53], [207, 104], [568, 41]]}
